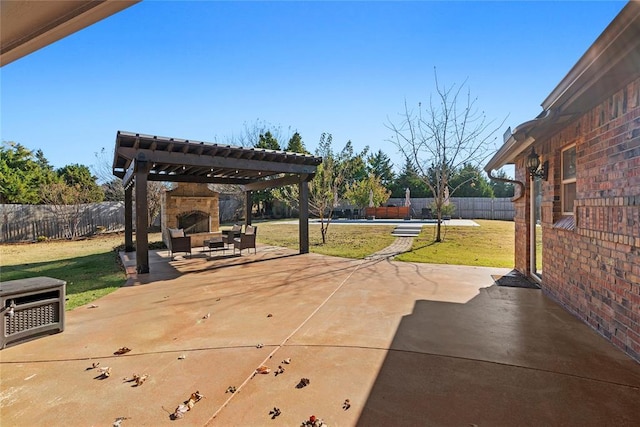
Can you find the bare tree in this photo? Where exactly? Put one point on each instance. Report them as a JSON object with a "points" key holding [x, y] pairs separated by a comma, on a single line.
{"points": [[67, 203], [111, 185], [114, 190], [250, 134], [441, 137]]}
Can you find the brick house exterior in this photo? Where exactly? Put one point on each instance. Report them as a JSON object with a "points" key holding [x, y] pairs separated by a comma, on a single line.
{"points": [[586, 211]]}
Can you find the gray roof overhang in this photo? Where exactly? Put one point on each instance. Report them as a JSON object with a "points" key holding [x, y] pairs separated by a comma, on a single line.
{"points": [[28, 25]]}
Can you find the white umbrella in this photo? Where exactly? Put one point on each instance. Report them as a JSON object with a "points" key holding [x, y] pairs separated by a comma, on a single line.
{"points": [[407, 197], [370, 198]]}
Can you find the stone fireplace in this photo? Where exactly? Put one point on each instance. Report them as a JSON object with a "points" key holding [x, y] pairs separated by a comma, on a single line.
{"points": [[194, 208]]}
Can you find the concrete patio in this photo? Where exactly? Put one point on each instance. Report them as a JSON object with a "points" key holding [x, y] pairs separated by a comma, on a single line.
{"points": [[407, 344]]}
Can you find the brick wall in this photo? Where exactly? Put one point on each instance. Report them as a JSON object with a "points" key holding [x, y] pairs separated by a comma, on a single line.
{"points": [[591, 263]]}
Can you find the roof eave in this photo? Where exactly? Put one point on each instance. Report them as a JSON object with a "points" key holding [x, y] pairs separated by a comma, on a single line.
{"points": [[24, 31], [618, 47]]}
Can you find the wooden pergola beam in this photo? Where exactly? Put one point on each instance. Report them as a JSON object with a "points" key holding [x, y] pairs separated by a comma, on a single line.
{"points": [[215, 162], [277, 182]]}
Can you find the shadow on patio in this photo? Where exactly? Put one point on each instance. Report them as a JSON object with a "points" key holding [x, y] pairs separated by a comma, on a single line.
{"points": [[407, 344], [507, 357]]}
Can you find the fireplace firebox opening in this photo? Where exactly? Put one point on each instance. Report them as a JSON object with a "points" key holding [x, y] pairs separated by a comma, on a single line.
{"points": [[194, 222]]}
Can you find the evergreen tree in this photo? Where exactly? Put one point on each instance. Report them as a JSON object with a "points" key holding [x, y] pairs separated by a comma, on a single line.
{"points": [[409, 178], [380, 165], [264, 198], [501, 188], [469, 181], [352, 165], [296, 145], [22, 174], [268, 141], [79, 176]]}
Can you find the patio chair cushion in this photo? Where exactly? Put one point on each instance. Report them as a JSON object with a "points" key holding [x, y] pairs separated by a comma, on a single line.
{"points": [[176, 232], [229, 235]]}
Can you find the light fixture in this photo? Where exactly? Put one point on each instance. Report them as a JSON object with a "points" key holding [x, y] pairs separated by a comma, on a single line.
{"points": [[534, 167]]}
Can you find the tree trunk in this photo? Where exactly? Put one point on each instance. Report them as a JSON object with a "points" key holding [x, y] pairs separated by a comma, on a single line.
{"points": [[438, 238], [323, 230]]}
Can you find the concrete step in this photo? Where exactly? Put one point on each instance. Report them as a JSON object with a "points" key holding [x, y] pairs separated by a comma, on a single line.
{"points": [[407, 230]]}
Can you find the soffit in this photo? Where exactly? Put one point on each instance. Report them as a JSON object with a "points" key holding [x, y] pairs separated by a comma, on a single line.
{"points": [[28, 25]]}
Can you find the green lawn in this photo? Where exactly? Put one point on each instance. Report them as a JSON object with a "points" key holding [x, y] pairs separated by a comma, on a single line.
{"points": [[490, 245], [348, 241], [91, 268]]}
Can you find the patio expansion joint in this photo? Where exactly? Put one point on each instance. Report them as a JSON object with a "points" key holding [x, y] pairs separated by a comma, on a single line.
{"points": [[512, 365], [471, 359], [283, 343]]}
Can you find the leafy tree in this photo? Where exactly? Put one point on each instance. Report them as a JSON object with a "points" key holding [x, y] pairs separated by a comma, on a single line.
{"points": [[329, 182], [380, 165], [360, 193], [43, 162], [296, 145], [409, 178], [264, 198], [501, 188], [80, 178], [22, 173], [443, 136], [469, 181], [289, 193], [353, 166], [325, 185], [268, 141]]}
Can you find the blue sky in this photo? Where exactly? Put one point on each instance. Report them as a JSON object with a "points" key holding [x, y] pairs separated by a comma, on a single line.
{"points": [[202, 69]]}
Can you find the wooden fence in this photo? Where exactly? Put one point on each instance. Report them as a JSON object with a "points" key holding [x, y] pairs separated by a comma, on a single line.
{"points": [[20, 223], [466, 207], [23, 223]]}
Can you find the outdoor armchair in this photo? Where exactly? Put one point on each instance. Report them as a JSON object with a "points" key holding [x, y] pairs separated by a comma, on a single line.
{"points": [[246, 240], [229, 235], [176, 241]]}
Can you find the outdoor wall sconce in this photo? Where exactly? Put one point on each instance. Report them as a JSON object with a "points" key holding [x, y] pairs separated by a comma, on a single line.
{"points": [[534, 168]]}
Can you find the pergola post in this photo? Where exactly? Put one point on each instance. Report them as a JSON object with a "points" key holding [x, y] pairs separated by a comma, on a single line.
{"points": [[128, 219], [142, 215], [248, 205], [303, 226]]}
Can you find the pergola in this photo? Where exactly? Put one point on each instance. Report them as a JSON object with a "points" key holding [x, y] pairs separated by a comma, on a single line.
{"points": [[141, 158]]}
